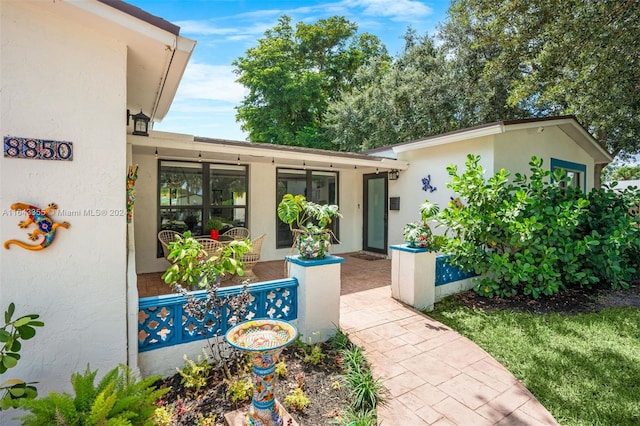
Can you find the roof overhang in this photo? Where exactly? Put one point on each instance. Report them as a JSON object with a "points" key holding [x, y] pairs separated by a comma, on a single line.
{"points": [[156, 54], [187, 148], [568, 124]]}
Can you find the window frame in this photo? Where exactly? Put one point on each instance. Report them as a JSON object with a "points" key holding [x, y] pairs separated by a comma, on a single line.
{"points": [[569, 166], [206, 207], [335, 223]]}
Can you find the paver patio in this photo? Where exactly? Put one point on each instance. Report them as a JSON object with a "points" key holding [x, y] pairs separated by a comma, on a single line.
{"points": [[434, 375]]}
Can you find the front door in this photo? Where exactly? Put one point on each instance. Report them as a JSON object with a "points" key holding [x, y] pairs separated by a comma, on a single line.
{"points": [[375, 213]]}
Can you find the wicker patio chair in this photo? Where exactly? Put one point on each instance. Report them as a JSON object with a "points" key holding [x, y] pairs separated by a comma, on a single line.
{"points": [[165, 237], [237, 233], [250, 259], [213, 248]]}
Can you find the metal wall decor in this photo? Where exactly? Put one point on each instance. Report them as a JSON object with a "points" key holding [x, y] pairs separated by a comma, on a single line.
{"points": [[45, 226], [426, 184], [37, 149]]}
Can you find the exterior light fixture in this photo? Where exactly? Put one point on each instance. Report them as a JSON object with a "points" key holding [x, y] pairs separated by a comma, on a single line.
{"points": [[200, 156], [238, 162], [394, 174], [140, 123], [156, 154]]}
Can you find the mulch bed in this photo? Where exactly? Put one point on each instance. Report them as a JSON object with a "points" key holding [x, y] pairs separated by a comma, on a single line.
{"points": [[570, 302], [326, 401]]}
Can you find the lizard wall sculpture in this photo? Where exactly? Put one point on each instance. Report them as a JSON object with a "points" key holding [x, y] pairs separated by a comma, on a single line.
{"points": [[46, 226]]}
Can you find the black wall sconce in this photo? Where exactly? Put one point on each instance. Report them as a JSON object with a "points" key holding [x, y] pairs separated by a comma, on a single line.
{"points": [[394, 174], [140, 123]]}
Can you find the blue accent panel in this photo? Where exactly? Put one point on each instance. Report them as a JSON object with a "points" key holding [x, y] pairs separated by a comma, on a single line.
{"points": [[568, 165], [162, 321], [327, 260], [447, 273], [408, 248]]}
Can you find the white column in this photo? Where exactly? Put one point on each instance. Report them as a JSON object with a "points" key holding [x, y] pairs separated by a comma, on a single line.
{"points": [[413, 276], [318, 296]]}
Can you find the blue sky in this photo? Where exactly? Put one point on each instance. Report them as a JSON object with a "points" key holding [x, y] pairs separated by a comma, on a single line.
{"points": [[225, 29]]}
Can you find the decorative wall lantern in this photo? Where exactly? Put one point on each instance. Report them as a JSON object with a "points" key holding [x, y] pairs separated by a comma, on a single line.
{"points": [[394, 174], [140, 123]]}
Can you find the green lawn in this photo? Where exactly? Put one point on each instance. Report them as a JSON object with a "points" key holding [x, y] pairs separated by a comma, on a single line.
{"points": [[585, 369]]}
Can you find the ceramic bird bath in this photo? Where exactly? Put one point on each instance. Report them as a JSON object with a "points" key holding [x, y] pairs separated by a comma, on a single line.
{"points": [[263, 340]]}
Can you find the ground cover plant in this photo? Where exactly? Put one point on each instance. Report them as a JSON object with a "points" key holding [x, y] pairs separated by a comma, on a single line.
{"points": [[538, 235], [578, 352], [319, 384]]}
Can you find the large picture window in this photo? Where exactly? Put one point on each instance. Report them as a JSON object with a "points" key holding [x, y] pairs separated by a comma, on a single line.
{"points": [[316, 185], [191, 193]]}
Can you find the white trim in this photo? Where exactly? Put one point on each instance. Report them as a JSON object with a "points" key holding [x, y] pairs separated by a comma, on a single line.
{"points": [[125, 20], [450, 138], [568, 125]]}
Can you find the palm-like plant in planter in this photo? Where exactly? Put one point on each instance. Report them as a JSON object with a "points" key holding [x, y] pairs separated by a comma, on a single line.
{"points": [[310, 223], [419, 234]]}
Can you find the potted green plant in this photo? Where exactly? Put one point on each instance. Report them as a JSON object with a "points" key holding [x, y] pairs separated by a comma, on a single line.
{"points": [[194, 268], [419, 234], [310, 222], [213, 227]]}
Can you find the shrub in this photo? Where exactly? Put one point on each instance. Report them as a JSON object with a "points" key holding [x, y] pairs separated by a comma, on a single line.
{"points": [[239, 389], [281, 369], [117, 399], [538, 235], [297, 400], [194, 375], [11, 333]]}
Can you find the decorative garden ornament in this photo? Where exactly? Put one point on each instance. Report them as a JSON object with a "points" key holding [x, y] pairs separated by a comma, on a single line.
{"points": [[263, 340], [132, 176], [46, 227]]}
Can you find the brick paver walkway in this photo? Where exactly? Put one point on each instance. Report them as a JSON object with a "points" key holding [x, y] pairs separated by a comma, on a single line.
{"points": [[434, 375]]}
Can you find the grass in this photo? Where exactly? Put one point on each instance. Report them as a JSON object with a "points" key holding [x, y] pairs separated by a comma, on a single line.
{"points": [[584, 368]]}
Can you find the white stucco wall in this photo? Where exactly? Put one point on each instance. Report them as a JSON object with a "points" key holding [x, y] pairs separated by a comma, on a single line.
{"points": [[431, 161], [514, 149], [60, 80]]}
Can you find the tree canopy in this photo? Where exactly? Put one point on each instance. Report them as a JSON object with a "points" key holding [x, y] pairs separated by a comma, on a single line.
{"points": [[578, 57], [409, 100], [322, 85], [505, 60], [293, 74]]}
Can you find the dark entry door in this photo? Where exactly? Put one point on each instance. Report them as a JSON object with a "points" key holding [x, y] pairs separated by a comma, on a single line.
{"points": [[375, 213]]}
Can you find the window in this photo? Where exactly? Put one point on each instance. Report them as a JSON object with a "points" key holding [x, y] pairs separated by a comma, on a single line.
{"points": [[576, 172], [190, 193], [316, 185]]}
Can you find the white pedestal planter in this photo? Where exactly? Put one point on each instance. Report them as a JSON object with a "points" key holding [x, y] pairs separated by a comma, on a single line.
{"points": [[420, 278], [318, 296], [413, 272]]}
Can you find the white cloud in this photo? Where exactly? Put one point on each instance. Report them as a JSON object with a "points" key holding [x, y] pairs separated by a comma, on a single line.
{"points": [[396, 10], [203, 28], [211, 82]]}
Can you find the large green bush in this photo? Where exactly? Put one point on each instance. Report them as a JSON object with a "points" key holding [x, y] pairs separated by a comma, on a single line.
{"points": [[536, 234]]}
